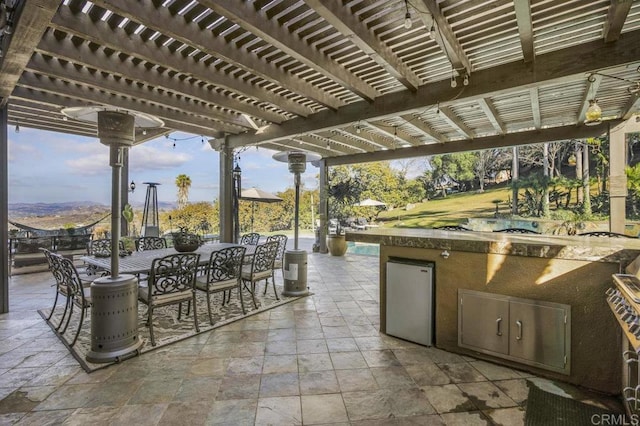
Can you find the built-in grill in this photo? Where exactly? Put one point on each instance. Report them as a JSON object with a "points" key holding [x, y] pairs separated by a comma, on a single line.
{"points": [[624, 301]]}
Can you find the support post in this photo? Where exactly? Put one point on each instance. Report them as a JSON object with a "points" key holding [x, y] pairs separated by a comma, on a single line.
{"points": [[323, 212], [617, 176], [515, 173], [225, 200], [4, 212]]}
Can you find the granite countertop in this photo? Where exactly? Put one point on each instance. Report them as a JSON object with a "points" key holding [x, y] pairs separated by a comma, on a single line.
{"points": [[594, 249]]}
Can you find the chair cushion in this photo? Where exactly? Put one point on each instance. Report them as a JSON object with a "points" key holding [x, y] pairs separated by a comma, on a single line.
{"points": [[201, 284], [163, 299], [257, 276]]}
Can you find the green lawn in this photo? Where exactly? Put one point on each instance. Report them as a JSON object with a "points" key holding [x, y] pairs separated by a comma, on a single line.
{"points": [[452, 210]]}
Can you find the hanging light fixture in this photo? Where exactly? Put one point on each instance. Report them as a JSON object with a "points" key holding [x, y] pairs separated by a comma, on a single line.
{"points": [[407, 17], [593, 115], [431, 33], [454, 83], [465, 80], [17, 128]]}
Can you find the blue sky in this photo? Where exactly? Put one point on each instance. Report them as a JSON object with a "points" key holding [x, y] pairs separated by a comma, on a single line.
{"points": [[54, 167]]}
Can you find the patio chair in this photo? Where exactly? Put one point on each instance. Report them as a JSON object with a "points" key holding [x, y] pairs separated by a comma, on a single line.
{"points": [[102, 247], [61, 288], [282, 246], [605, 234], [261, 267], [151, 243], [517, 231], [222, 274], [252, 238], [76, 293], [171, 281], [451, 228]]}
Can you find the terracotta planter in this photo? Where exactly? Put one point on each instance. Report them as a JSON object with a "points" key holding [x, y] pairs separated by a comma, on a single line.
{"points": [[337, 245]]}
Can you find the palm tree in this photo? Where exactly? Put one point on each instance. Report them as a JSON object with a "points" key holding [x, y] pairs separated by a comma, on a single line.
{"points": [[183, 182]]}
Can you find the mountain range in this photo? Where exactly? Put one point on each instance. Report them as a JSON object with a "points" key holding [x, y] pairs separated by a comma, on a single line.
{"points": [[71, 207], [59, 215]]}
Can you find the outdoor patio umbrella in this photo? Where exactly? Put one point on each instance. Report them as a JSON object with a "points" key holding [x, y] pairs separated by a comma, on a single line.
{"points": [[256, 195]]}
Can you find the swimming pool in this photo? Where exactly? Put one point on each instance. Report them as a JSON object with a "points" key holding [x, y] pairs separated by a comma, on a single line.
{"points": [[363, 248]]}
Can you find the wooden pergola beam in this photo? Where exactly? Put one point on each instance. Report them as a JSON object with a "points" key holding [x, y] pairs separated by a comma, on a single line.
{"points": [[561, 66], [478, 144]]}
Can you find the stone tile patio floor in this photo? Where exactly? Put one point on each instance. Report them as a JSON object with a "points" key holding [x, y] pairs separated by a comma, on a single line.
{"points": [[320, 360]]}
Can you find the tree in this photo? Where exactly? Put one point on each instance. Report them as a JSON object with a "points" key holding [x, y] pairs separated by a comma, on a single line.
{"points": [[183, 182], [196, 217], [489, 162]]}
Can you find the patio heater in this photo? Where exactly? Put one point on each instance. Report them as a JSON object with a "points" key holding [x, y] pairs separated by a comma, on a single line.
{"points": [[114, 312], [150, 226], [295, 261]]}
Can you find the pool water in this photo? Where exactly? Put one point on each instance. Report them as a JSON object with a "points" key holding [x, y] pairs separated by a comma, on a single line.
{"points": [[363, 249]]}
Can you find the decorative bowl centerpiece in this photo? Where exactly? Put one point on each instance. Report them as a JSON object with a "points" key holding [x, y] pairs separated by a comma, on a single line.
{"points": [[185, 242]]}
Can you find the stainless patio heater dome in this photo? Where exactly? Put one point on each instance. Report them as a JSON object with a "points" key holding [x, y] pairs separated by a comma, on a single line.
{"points": [[295, 261]]}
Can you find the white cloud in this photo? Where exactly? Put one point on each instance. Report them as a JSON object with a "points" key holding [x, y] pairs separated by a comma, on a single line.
{"points": [[19, 151], [144, 157], [95, 164]]}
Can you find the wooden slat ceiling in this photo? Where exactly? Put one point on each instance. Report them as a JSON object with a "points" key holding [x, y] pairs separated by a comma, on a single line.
{"points": [[344, 78]]}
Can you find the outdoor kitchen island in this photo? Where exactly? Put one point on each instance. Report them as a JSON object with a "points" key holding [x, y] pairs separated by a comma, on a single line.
{"points": [[508, 298]]}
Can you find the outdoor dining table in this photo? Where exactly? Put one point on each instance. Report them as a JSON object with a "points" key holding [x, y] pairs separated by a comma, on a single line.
{"points": [[140, 262], [114, 313]]}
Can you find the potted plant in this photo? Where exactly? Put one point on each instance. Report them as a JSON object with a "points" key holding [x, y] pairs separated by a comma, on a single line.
{"points": [[336, 241], [185, 241]]}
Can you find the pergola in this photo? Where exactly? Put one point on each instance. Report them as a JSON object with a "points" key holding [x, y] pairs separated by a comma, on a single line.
{"points": [[353, 80]]}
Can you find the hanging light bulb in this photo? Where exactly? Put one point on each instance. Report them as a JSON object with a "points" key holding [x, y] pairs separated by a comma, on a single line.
{"points": [[593, 115], [144, 132], [17, 128], [454, 83], [358, 130], [407, 16], [465, 80]]}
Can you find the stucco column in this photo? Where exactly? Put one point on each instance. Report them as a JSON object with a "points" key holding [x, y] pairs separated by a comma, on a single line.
{"points": [[225, 199], [4, 212], [323, 210], [515, 172], [617, 176]]}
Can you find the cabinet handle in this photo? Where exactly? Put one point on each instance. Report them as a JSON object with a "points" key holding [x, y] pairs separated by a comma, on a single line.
{"points": [[519, 324], [498, 322]]}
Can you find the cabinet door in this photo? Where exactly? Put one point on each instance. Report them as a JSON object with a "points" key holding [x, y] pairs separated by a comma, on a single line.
{"points": [[539, 333], [483, 322]]}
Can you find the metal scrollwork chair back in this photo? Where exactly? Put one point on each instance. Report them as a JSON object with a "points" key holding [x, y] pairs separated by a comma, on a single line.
{"points": [[102, 247], [517, 231], [77, 294], [452, 228], [261, 267], [222, 274], [61, 288], [605, 234], [171, 281], [282, 246], [252, 239], [150, 243]]}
